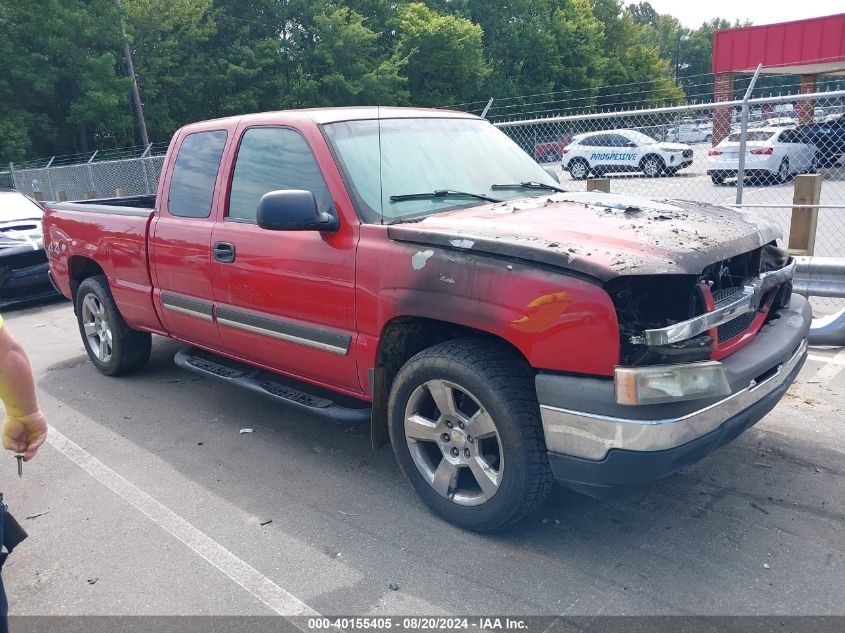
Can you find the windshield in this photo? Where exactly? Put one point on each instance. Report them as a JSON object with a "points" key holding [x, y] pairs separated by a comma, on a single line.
{"points": [[427, 155], [639, 137], [752, 136]]}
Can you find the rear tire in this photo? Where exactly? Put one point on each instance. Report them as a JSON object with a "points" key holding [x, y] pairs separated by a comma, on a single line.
{"points": [[551, 157], [112, 345], [578, 168], [481, 462], [783, 173], [718, 179]]}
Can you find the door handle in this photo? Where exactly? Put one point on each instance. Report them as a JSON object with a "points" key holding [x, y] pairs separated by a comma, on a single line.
{"points": [[224, 252]]}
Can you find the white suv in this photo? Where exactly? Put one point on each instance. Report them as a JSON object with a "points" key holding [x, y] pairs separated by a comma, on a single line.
{"points": [[623, 150]]}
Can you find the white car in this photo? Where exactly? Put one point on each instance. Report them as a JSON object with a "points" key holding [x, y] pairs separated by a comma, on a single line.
{"points": [[623, 150], [690, 131], [782, 121], [771, 154]]}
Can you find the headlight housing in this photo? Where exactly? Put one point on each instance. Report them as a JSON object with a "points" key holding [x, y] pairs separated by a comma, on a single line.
{"points": [[670, 383]]}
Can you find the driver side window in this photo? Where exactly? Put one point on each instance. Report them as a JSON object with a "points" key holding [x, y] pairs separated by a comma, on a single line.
{"points": [[270, 159]]}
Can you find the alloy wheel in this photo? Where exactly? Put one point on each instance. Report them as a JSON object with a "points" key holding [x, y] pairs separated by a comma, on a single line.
{"points": [[96, 327], [453, 442]]}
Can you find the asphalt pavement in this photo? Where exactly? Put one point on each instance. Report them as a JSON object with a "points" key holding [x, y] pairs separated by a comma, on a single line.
{"points": [[147, 499]]}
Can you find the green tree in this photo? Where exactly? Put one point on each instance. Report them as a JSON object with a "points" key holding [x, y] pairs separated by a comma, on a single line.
{"points": [[61, 83], [444, 53], [344, 67]]}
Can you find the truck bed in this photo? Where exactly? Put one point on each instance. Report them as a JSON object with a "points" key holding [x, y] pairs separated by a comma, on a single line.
{"points": [[78, 234]]}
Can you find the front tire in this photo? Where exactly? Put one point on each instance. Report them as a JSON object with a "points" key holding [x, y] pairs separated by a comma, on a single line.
{"points": [[465, 428], [651, 166], [112, 345]]}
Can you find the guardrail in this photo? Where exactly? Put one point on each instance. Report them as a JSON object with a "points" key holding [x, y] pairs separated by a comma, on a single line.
{"points": [[823, 277]]}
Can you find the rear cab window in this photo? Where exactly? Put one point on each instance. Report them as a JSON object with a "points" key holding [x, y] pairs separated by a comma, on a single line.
{"points": [[195, 173]]}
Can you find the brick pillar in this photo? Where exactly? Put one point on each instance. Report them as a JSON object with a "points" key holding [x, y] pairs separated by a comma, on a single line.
{"points": [[807, 106], [723, 90]]}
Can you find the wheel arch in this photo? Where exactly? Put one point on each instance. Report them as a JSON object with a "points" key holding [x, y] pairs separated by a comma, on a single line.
{"points": [[401, 338], [79, 269]]}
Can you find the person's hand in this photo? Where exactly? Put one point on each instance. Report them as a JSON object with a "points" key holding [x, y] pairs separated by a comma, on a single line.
{"points": [[24, 434]]}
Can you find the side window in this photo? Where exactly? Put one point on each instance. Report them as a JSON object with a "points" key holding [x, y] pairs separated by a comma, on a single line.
{"points": [[617, 140], [270, 159], [194, 174]]}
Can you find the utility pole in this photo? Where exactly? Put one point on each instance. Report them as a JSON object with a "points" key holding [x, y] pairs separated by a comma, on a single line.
{"points": [[130, 70], [681, 38]]}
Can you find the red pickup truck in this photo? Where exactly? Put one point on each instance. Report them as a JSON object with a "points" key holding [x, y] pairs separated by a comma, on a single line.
{"points": [[415, 268]]}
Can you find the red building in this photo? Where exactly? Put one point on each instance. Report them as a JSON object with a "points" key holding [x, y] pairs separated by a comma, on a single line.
{"points": [[808, 48]]}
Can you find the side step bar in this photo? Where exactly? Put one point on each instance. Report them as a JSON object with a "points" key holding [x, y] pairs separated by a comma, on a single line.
{"points": [[268, 385]]}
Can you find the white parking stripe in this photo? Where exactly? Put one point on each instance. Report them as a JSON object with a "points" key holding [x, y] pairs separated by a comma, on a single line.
{"points": [[831, 369], [826, 359], [268, 592]]}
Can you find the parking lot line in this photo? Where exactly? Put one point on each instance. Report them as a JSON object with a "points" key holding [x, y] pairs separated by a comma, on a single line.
{"points": [[831, 369], [264, 589], [827, 359]]}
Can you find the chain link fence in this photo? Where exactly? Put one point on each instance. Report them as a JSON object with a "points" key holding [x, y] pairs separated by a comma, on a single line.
{"points": [[130, 171]]}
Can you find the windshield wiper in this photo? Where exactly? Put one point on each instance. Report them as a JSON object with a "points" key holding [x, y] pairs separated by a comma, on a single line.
{"points": [[529, 184], [442, 193]]}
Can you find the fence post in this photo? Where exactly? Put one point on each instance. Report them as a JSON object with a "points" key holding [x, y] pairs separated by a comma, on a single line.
{"points": [[91, 177], [12, 174], [50, 178], [802, 227], [598, 184], [121, 192], [61, 195], [743, 137]]}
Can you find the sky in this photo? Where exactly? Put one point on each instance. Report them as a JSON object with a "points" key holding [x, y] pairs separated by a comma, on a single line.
{"points": [[692, 13]]}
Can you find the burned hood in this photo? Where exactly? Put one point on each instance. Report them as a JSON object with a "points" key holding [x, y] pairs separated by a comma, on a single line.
{"points": [[597, 234]]}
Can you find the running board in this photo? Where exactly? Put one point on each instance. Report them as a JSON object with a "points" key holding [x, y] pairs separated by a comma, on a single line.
{"points": [[270, 385]]}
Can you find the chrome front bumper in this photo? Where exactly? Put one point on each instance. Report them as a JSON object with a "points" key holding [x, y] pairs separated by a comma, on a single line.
{"points": [[591, 436]]}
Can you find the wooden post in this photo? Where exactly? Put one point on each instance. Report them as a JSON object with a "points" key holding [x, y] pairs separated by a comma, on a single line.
{"points": [[598, 184], [90, 195], [38, 196], [122, 192], [802, 228], [61, 195]]}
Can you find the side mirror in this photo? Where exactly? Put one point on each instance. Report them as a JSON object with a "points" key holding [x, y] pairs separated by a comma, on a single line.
{"points": [[293, 210]]}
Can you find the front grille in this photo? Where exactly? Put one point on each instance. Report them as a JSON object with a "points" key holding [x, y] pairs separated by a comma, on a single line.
{"points": [[733, 328]]}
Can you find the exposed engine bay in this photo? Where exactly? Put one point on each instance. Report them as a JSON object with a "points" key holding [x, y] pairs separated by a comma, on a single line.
{"points": [[651, 301]]}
